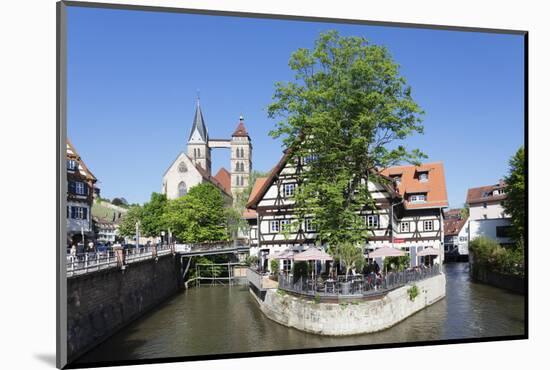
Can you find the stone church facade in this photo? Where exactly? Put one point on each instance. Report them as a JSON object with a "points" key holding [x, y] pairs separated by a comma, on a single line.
{"points": [[194, 165]]}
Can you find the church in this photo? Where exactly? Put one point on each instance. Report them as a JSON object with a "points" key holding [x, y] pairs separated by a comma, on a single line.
{"points": [[194, 165]]}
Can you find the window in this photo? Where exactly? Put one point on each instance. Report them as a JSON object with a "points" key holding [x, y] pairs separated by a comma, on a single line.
{"points": [[198, 152], [274, 226], [285, 225], [309, 225], [484, 204], [79, 213], [417, 198], [397, 179], [503, 231], [463, 239], [371, 221], [71, 164], [485, 216], [404, 227], [428, 225], [423, 176], [289, 189], [182, 189], [309, 158], [80, 188]]}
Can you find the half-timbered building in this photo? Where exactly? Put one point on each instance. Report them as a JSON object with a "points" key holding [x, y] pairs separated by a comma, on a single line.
{"points": [[80, 193], [408, 210]]}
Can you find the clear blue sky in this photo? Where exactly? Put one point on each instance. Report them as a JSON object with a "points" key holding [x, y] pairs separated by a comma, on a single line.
{"points": [[133, 77]]}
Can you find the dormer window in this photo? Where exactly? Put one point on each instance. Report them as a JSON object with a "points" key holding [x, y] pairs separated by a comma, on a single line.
{"points": [[417, 198], [71, 164], [397, 179], [423, 176]]}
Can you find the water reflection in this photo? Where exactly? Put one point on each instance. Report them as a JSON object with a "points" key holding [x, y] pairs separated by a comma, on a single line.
{"points": [[219, 319]]}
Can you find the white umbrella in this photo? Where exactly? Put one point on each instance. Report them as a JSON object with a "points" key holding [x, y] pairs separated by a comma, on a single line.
{"points": [[313, 254], [386, 252]]}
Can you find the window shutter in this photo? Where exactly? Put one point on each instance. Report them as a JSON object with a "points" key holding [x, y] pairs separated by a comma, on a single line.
{"points": [[84, 213], [72, 212], [85, 189], [72, 187]]}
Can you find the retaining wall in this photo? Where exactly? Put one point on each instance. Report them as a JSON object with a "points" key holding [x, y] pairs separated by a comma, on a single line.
{"points": [[351, 318], [100, 303]]}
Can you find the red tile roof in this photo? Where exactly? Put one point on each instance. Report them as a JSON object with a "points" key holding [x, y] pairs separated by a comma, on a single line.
{"points": [[435, 187], [453, 226], [485, 193], [240, 130], [224, 178]]}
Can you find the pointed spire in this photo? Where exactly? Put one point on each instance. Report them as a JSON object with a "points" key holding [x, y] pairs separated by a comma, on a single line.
{"points": [[240, 130], [199, 125]]}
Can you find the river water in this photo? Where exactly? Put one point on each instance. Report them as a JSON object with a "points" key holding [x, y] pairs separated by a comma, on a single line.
{"points": [[218, 319]]}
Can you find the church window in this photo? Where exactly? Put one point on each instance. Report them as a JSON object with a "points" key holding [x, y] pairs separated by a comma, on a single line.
{"points": [[198, 152], [182, 189]]}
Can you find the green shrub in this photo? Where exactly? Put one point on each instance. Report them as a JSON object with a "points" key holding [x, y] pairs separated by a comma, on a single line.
{"points": [[397, 263], [274, 267], [487, 253], [317, 298], [413, 292], [251, 260]]}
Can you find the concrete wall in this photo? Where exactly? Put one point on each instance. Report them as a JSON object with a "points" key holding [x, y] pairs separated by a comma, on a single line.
{"points": [[353, 318], [102, 302], [488, 229]]}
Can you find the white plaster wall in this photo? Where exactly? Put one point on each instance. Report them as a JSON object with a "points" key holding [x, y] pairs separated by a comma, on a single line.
{"points": [[362, 317], [477, 211], [173, 176], [487, 228]]}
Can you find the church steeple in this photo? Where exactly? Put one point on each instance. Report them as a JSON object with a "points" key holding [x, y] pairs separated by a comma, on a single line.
{"points": [[197, 145], [199, 132]]}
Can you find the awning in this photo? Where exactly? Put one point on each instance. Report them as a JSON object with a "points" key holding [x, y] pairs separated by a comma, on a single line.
{"points": [[386, 252], [312, 254]]}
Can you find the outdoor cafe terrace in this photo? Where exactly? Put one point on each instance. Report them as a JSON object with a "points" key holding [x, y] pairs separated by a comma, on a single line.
{"points": [[325, 287]]}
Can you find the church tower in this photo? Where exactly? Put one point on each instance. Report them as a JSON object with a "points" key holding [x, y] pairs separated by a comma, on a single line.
{"points": [[241, 158], [197, 145]]}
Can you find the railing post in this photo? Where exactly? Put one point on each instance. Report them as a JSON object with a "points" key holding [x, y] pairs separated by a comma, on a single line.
{"points": [[86, 262]]}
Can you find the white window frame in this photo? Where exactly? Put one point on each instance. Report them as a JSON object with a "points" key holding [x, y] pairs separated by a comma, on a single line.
{"points": [[284, 225], [308, 225], [372, 221], [462, 239], [289, 189], [428, 222], [274, 226], [417, 198], [423, 177], [79, 188], [405, 229], [71, 165]]}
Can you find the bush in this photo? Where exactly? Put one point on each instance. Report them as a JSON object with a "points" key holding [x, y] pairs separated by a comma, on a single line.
{"points": [[397, 263], [300, 270], [274, 264], [413, 292], [492, 256], [251, 261]]}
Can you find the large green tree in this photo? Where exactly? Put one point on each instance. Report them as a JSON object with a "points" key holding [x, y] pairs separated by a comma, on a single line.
{"points": [[151, 215], [345, 112], [198, 216], [128, 223], [514, 204]]}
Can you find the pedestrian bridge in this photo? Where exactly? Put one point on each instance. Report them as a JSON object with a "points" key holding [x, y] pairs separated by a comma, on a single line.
{"points": [[83, 263]]}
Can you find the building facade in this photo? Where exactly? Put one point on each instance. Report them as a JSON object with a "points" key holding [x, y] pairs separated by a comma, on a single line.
{"points": [[408, 214], [80, 194], [194, 166], [487, 215], [456, 235]]}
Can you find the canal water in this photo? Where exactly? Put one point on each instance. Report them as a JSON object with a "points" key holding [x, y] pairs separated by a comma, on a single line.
{"points": [[218, 319]]}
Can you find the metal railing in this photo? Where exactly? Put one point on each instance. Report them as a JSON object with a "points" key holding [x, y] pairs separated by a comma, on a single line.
{"points": [[83, 263], [355, 286]]}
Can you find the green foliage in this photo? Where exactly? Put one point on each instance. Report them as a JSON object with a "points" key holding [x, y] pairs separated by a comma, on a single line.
{"points": [[274, 264], [347, 109], [514, 204], [128, 223], [350, 255], [465, 212], [151, 216], [198, 216], [491, 256], [413, 292], [317, 298], [251, 260], [397, 263], [300, 270]]}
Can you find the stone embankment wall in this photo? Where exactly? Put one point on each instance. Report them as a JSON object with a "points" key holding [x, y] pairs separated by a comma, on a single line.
{"points": [[100, 303], [509, 282], [350, 318]]}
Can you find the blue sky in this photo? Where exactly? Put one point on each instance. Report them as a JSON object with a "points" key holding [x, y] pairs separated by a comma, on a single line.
{"points": [[133, 78]]}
